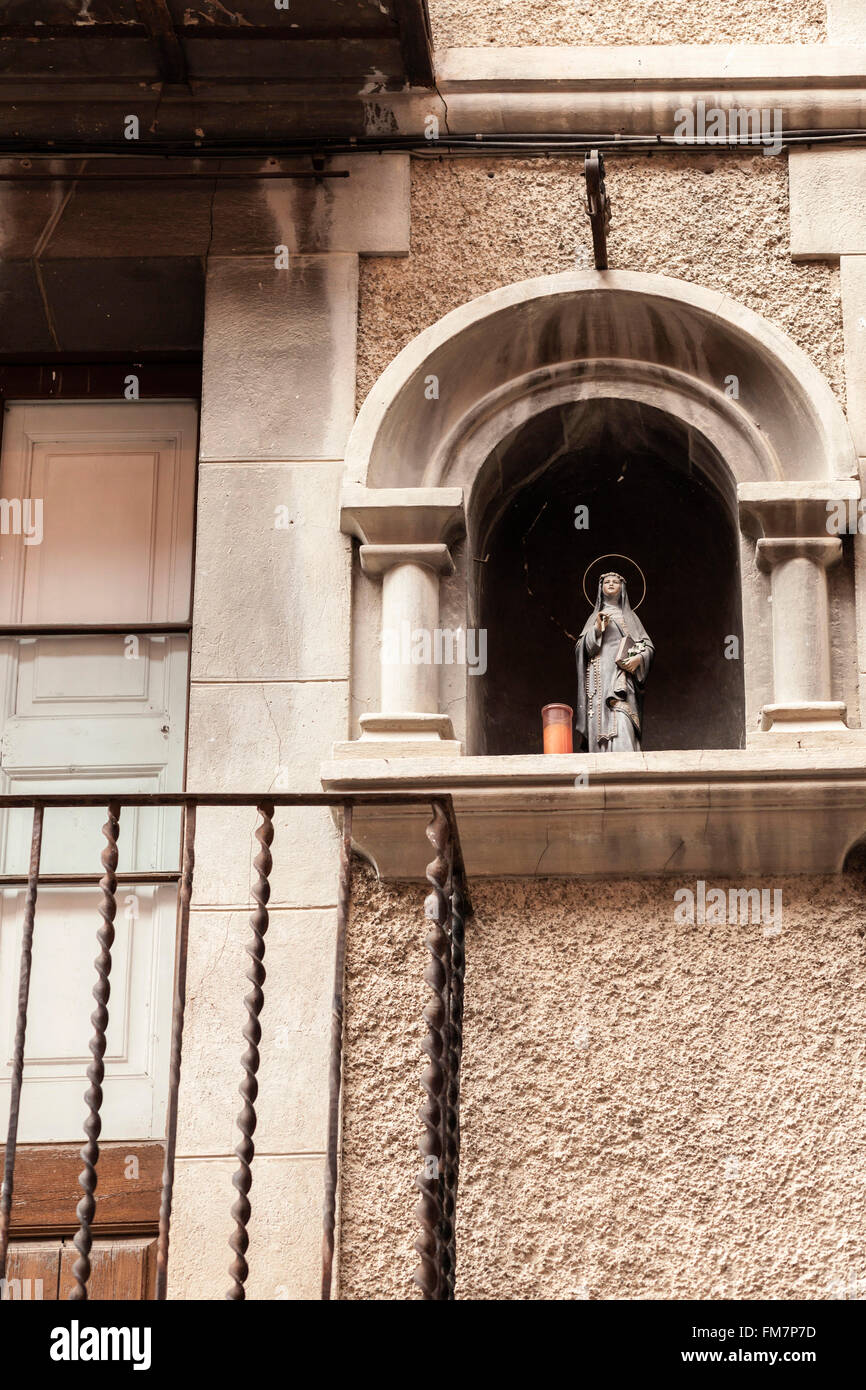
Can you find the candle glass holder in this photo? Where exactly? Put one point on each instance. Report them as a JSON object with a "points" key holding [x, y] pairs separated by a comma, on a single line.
{"points": [[557, 723]]}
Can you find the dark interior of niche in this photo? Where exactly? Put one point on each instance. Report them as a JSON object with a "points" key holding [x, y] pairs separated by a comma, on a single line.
{"points": [[646, 499]]}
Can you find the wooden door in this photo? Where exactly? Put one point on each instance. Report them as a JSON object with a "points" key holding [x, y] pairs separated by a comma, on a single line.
{"points": [[43, 1222]]}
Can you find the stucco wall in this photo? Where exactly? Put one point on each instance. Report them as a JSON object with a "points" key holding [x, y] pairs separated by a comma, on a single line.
{"points": [[717, 220], [509, 23], [650, 1109]]}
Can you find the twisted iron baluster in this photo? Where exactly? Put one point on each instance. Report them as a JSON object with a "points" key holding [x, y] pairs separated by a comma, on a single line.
{"points": [[249, 1087], [96, 1071], [177, 1021], [429, 1182], [20, 1035], [335, 1075], [446, 1223], [455, 1040]]}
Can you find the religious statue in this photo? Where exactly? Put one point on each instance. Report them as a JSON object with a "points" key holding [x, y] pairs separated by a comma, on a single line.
{"points": [[614, 654]]}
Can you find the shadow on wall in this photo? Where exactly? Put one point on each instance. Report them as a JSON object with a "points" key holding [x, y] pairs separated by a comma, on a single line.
{"points": [[644, 483]]}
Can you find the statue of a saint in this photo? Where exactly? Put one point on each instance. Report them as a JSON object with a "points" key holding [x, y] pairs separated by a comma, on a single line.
{"points": [[614, 655]]}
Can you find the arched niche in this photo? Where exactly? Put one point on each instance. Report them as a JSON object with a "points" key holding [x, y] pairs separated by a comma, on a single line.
{"points": [[574, 480], [748, 422]]}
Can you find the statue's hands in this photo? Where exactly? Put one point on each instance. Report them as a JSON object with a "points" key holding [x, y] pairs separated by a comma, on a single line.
{"points": [[600, 623], [630, 664]]}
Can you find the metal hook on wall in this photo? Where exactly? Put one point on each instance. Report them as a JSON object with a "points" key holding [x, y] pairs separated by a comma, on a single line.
{"points": [[597, 206]]}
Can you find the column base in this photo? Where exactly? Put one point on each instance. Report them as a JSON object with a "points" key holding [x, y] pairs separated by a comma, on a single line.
{"points": [[402, 736], [805, 717]]}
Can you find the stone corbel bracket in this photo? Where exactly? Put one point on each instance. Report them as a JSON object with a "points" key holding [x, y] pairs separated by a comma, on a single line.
{"points": [[797, 541], [404, 535]]}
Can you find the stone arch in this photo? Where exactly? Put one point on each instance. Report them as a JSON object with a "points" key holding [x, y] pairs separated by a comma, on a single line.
{"points": [[592, 331]]}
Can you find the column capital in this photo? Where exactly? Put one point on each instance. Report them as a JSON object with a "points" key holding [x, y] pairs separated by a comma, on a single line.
{"points": [[785, 509], [398, 515], [824, 551], [378, 559]]}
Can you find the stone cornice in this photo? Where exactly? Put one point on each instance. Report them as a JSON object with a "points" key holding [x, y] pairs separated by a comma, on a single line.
{"points": [[636, 90]]}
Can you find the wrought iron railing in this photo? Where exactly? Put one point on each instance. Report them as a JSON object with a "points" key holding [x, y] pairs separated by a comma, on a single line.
{"points": [[446, 909]]}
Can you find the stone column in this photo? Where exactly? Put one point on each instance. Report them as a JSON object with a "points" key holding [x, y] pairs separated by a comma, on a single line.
{"points": [[403, 533], [802, 671], [409, 694], [795, 527]]}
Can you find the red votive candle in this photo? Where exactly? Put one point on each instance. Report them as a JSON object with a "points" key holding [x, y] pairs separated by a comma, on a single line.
{"points": [[557, 721]]}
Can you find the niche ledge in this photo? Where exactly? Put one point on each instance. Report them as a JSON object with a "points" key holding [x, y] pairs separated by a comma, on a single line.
{"points": [[753, 812]]}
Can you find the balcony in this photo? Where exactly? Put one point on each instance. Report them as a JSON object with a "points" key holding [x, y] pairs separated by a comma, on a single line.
{"points": [[446, 909]]}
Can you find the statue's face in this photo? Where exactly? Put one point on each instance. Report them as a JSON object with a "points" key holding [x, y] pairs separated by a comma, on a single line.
{"points": [[611, 586]]}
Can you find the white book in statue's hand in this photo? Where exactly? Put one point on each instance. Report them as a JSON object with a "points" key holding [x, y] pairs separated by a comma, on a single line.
{"points": [[628, 648]]}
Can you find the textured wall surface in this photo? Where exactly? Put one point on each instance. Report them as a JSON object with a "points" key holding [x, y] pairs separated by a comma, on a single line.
{"points": [[510, 23], [717, 220], [384, 997], [650, 1109]]}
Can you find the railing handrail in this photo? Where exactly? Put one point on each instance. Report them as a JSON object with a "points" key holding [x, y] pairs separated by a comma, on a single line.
{"points": [[187, 798]]}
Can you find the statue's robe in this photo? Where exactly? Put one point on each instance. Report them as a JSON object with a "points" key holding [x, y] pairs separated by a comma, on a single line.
{"points": [[609, 712]]}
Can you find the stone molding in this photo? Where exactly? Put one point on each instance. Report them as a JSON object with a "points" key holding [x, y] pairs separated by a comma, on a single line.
{"points": [[636, 90], [732, 813], [378, 559]]}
